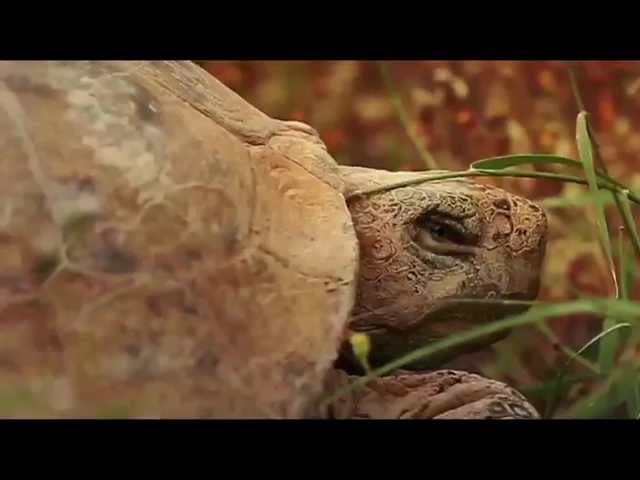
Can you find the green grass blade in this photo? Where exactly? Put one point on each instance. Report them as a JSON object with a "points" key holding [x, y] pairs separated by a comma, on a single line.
{"points": [[624, 207], [627, 277], [623, 392], [627, 270], [431, 177], [562, 372], [571, 354], [508, 161], [538, 313], [585, 148], [405, 119], [632, 399], [599, 403], [586, 156], [637, 398], [627, 282], [542, 391]]}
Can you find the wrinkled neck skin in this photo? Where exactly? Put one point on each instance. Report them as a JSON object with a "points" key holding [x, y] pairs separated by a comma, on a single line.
{"points": [[426, 246]]}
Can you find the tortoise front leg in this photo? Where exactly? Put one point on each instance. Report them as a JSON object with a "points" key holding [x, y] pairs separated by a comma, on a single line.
{"points": [[442, 394]]}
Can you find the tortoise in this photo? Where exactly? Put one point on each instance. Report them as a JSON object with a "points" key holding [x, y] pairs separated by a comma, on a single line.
{"points": [[169, 251]]}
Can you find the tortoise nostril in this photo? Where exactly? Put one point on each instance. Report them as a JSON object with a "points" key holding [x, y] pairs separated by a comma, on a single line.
{"points": [[502, 204]]}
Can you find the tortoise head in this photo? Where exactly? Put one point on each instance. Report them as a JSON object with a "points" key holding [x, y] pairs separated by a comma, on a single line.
{"points": [[430, 251]]}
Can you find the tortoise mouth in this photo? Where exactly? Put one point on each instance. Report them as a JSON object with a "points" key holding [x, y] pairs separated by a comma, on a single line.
{"points": [[449, 317]]}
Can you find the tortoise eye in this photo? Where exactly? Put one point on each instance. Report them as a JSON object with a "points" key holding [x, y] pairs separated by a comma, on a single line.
{"points": [[438, 230], [443, 230], [443, 236]]}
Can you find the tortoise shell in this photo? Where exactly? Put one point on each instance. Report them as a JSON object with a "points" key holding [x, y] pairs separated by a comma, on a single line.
{"points": [[166, 249]]}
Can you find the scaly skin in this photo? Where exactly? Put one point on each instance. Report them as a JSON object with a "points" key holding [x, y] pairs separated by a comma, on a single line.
{"points": [[439, 395], [420, 245]]}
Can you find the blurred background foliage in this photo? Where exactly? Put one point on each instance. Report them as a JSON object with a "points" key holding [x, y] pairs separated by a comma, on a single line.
{"points": [[460, 112]]}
